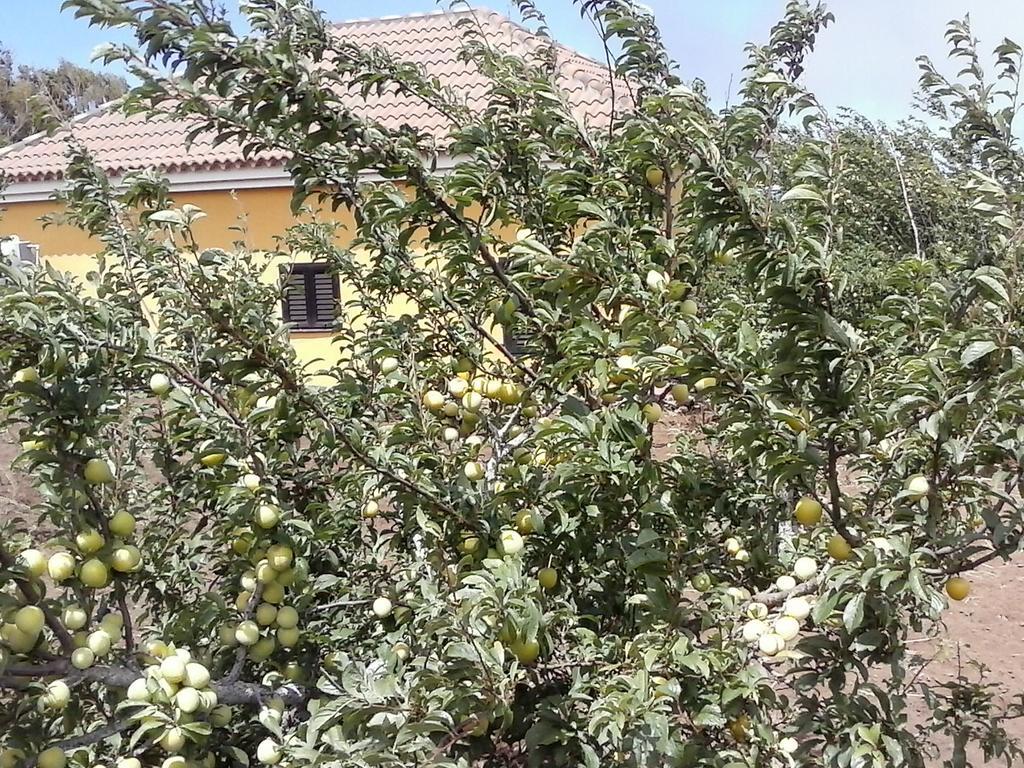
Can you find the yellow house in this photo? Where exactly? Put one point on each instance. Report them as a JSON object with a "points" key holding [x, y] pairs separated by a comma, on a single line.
{"points": [[257, 191]]}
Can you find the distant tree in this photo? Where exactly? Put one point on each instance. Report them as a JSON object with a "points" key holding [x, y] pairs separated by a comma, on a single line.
{"points": [[31, 98]]}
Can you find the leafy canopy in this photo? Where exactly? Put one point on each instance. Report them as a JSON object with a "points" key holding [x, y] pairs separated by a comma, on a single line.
{"points": [[440, 552]]}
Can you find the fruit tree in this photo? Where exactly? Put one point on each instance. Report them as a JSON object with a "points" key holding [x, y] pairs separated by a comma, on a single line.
{"points": [[443, 551]]}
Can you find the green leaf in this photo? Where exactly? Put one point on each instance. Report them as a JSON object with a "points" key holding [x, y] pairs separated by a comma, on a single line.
{"points": [[802, 192], [977, 350], [853, 613]]}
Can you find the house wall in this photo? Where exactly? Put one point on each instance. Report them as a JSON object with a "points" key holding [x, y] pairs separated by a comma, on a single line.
{"points": [[263, 213]]}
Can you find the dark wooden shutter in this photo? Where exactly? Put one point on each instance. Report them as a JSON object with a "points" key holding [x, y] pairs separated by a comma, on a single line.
{"points": [[310, 296], [519, 341], [294, 306], [325, 298]]}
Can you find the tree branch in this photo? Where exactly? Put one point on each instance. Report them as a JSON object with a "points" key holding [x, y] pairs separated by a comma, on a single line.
{"points": [[228, 691]]}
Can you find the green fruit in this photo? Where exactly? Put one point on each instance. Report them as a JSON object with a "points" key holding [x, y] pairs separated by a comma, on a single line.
{"points": [[98, 472], [94, 574], [808, 511], [527, 652], [61, 566], [34, 561], [30, 620], [548, 578], [122, 524]]}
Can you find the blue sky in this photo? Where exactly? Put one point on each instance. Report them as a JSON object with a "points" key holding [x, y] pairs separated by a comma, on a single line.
{"points": [[865, 60]]}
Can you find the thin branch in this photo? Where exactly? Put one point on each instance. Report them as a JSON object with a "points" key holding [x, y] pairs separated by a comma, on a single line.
{"points": [[228, 691]]}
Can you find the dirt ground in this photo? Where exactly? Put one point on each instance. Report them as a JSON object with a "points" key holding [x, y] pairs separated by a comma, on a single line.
{"points": [[985, 629]]}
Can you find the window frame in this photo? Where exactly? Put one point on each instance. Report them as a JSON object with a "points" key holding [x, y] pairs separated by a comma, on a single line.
{"points": [[309, 271]]}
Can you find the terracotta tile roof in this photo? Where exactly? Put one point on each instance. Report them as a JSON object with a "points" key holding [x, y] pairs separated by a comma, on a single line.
{"points": [[433, 40]]}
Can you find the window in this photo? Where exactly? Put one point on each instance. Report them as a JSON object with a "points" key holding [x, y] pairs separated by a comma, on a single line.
{"points": [[520, 341], [310, 300]]}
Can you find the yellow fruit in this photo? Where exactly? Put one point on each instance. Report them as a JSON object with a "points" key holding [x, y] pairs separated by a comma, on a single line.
{"points": [[527, 652], [770, 643], [786, 627], [25, 376], [268, 752], [724, 258], [652, 413], [548, 578], [94, 574], [83, 658], [753, 630], [187, 700], [74, 617], [656, 280], [214, 459], [474, 471], [804, 568], [433, 401], [680, 393], [655, 176], [510, 393], [16, 640], [265, 614], [292, 672], [689, 308], [159, 384], [785, 583], [839, 548], [267, 515], [918, 487], [242, 544], [732, 546], [807, 511], [173, 669], [469, 545], [273, 593], [221, 716], [958, 588], [247, 633], [53, 757], [99, 642], [265, 572], [510, 543], [125, 559], [472, 401], [371, 509], [708, 382], [122, 524], [89, 541], [389, 365], [287, 617], [280, 557], [173, 739], [98, 472], [57, 695], [797, 607], [288, 637], [382, 607], [30, 620], [525, 523], [34, 561], [457, 387], [262, 649]]}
